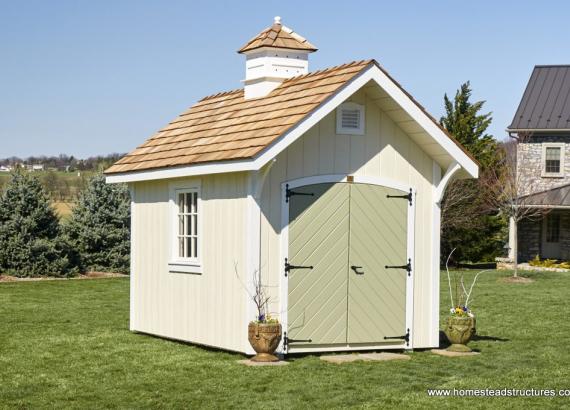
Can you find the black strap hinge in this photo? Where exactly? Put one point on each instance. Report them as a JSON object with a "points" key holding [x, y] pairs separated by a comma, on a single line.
{"points": [[289, 267], [407, 196], [289, 193], [287, 341], [405, 337], [407, 267]]}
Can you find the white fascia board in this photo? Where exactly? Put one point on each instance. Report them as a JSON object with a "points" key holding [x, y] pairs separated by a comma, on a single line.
{"points": [[352, 86], [184, 171]]}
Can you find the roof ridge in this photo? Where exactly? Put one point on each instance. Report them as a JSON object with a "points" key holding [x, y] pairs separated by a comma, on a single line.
{"points": [[220, 94], [551, 65], [328, 69]]}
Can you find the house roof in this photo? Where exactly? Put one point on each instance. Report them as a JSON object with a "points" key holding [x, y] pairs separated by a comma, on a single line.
{"points": [[559, 196], [545, 104], [278, 36], [232, 133]]}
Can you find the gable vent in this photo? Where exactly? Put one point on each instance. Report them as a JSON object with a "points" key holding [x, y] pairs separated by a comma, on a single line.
{"points": [[350, 119]]}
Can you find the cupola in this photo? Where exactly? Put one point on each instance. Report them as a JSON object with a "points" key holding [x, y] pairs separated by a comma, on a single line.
{"points": [[275, 54]]}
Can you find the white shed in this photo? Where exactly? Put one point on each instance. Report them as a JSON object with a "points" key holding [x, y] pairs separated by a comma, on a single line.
{"points": [[326, 184]]}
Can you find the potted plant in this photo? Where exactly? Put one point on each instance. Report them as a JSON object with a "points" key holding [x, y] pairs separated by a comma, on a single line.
{"points": [[460, 326], [264, 333]]}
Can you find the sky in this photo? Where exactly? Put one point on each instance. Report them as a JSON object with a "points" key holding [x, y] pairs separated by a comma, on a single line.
{"points": [[97, 77]]}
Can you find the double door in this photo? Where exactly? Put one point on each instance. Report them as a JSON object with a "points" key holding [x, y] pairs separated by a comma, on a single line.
{"points": [[348, 264]]}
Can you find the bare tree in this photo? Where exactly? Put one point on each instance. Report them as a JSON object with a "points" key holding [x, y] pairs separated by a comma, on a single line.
{"points": [[509, 192]]}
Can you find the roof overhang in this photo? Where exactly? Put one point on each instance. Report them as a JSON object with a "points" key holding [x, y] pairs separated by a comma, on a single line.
{"points": [[541, 130], [398, 104]]}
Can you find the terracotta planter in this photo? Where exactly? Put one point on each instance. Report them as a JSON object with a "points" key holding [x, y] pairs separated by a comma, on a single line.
{"points": [[459, 330], [264, 338]]}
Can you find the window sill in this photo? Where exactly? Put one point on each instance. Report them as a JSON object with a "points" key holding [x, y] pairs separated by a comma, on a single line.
{"points": [[544, 175], [185, 267]]}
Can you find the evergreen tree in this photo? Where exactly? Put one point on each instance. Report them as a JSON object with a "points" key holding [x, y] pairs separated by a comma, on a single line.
{"points": [[99, 227], [466, 224], [29, 231]]}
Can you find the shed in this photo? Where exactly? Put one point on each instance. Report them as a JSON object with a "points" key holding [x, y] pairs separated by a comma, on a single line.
{"points": [[325, 185]]}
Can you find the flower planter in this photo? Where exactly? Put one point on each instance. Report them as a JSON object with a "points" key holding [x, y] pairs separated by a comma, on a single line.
{"points": [[459, 330], [264, 338]]}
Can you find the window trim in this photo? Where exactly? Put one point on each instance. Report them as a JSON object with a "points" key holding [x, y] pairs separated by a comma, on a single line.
{"points": [[562, 147], [176, 264], [350, 131]]}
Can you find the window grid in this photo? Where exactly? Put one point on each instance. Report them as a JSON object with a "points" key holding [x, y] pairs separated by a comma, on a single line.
{"points": [[188, 225], [553, 228], [552, 160]]}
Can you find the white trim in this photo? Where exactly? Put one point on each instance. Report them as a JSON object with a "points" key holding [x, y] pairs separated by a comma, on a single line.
{"points": [[439, 184], [361, 121], [284, 253], [544, 146], [347, 348], [132, 274], [433, 339], [373, 73], [175, 263], [444, 181], [255, 183]]}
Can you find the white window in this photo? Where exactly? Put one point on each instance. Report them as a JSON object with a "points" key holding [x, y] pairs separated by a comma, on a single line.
{"points": [[553, 160], [350, 119], [186, 235]]}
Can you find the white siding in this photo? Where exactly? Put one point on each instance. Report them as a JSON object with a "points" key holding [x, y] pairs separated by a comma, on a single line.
{"points": [[384, 151], [207, 308]]}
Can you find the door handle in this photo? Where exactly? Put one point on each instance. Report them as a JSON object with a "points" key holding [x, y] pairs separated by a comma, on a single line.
{"points": [[355, 269]]}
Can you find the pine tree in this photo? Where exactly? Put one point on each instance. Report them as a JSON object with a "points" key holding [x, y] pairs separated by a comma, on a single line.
{"points": [[99, 227], [29, 231], [466, 223]]}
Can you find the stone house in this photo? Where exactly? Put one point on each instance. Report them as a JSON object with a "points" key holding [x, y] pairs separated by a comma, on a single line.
{"points": [[542, 125]]}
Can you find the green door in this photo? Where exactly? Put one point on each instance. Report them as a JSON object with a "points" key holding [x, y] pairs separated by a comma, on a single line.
{"points": [[318, 237], [378, 237], [347, 233]]}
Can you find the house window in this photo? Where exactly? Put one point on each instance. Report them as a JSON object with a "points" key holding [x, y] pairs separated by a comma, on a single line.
{"points": [[553, 160], [350, 119], [553, 228], [186, 232]]}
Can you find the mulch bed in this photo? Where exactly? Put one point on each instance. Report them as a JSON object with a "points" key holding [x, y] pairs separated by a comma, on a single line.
{"points": [[88, 275]]}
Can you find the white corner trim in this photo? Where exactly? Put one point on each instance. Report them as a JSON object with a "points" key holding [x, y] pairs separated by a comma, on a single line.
{"points": [[373, 73], [435, 252], [133, 276], [255, 183]]}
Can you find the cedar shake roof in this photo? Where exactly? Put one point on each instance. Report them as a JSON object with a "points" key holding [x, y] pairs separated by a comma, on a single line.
{"points": [[278, 36], [545, 104], [226, 126]]}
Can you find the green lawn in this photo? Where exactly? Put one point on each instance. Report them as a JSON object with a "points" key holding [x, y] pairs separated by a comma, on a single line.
{"points": [[66, 344]]}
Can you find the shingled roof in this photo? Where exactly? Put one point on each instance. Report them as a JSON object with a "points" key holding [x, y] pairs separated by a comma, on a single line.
{"points": [[278, 36], [545, 104], [226, 126]]}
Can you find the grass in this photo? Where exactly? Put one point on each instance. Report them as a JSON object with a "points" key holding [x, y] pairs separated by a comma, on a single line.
{"points": [[67, 344]]}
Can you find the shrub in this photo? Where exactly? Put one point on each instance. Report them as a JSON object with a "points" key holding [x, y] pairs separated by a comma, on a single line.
{"points": [[29, 231], [99, 227]]}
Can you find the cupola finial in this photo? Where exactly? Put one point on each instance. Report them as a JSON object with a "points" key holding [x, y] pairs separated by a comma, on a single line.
{"points": [[277, 20]]}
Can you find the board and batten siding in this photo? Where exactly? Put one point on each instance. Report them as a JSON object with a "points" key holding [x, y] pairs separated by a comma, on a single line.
{"points": [[384, 151], [207, 308]]}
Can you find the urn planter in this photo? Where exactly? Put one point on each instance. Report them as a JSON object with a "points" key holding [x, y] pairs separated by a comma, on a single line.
{"points": [[459, 330], [264, 338]]}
